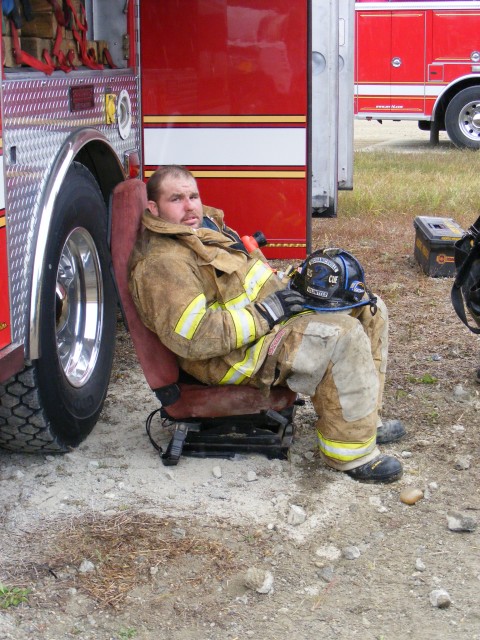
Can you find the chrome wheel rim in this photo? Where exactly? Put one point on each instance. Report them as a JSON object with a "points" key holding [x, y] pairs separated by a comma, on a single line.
{"points": [[79, 307], [469, 120]]}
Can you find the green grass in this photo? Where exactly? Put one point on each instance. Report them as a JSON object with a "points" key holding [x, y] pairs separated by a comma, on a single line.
{"points": [[390, 184], [12, 596]]}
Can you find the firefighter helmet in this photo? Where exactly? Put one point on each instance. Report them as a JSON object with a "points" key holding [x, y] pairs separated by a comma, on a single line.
{"points": [[332, 280]]}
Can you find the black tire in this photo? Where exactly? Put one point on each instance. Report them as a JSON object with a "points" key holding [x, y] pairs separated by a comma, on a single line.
{"points": [[53, 404], [462, 119]]}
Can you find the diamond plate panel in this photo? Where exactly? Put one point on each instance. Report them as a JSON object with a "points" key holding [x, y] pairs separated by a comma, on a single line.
{"points": [[36, 123]]}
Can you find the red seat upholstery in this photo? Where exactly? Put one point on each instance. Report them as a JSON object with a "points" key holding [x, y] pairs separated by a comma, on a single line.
{"points": [[158, 363]]}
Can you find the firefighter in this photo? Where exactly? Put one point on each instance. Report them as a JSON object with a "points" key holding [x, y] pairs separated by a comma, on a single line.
{"points": [[231, 320]]}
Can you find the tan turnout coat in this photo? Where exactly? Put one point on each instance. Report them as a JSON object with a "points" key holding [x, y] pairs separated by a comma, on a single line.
{"points": [[196, 289]]}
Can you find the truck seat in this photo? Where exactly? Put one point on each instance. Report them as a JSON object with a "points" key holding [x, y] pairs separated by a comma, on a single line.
{"points": [[213, 407]]}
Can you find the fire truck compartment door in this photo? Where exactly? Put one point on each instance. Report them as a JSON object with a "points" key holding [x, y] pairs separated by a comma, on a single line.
{"points": [[407, 63], [390, 61], [373, 60]]}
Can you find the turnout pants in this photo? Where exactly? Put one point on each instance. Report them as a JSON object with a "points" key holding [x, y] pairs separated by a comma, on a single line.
{"points": [[340, 361]]}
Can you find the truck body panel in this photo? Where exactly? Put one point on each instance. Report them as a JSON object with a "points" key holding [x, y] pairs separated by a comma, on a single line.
{"points": [[412, 58], [95, 90]]}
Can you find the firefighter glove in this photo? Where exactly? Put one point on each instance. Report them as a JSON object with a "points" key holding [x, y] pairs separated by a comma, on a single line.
{"points": [[280, 305]]}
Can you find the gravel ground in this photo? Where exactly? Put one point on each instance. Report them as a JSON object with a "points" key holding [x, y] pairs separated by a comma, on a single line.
{"points": [[107, 543]]}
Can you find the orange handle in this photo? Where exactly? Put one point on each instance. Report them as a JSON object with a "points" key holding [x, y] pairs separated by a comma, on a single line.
{"points": [[250, 243]]}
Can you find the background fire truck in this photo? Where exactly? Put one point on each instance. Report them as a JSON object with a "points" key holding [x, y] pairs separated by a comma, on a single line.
{"points": [[420, 61], [245, 93]]}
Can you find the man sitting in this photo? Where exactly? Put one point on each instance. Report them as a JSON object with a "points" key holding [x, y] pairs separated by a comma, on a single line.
{"points": [[231, 320]]}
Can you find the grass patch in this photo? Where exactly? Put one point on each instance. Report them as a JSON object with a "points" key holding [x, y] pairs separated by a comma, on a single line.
{"points": [[412, 184], [12, 596], [127, 634], [425, 379]]}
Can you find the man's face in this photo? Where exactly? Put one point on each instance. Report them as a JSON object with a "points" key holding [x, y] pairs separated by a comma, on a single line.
{"points": [[179, 202]]}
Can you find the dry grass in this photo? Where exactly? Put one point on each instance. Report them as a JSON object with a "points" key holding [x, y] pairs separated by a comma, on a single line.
{"points": [[375, 222], [390, 185], [129, 550], [376, 219]]}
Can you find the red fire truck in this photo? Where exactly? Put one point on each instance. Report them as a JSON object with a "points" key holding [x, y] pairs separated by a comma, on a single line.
{"points": [[420, 61], [244, 92]]}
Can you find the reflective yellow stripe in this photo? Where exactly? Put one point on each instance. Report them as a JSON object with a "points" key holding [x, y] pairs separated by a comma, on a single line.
{"points": [[254, 281], [256, 278], [191, 317], [244, 326], [246, 367], [239, 302], [345, 451], [232, 377], [243, 320]]}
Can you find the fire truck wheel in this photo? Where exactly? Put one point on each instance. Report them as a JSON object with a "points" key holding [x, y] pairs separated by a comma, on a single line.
{"points": [[53, 404], [462, 119]]}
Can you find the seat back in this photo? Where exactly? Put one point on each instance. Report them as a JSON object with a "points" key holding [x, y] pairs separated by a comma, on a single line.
{"points": [[158, 363], [129, 201]]}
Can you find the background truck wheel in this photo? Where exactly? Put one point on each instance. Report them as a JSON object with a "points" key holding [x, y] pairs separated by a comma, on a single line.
{"points": [[53, 404], [462, 119]]}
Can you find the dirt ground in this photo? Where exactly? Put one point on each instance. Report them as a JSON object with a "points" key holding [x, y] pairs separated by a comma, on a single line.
{"points": [[111, 544]]}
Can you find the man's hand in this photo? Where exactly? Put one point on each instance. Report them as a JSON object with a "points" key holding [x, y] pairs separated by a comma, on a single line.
{"points": [[280, 305]]}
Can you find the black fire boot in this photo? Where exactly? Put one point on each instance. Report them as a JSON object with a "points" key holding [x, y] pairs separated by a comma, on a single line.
{"points": [[390, 431], [381, 469]]}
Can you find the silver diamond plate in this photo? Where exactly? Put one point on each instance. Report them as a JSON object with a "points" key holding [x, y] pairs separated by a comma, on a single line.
{"points": [[36, 123]]}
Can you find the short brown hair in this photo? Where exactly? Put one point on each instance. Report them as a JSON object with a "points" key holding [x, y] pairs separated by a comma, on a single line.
{"points": [[154, 184]]}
